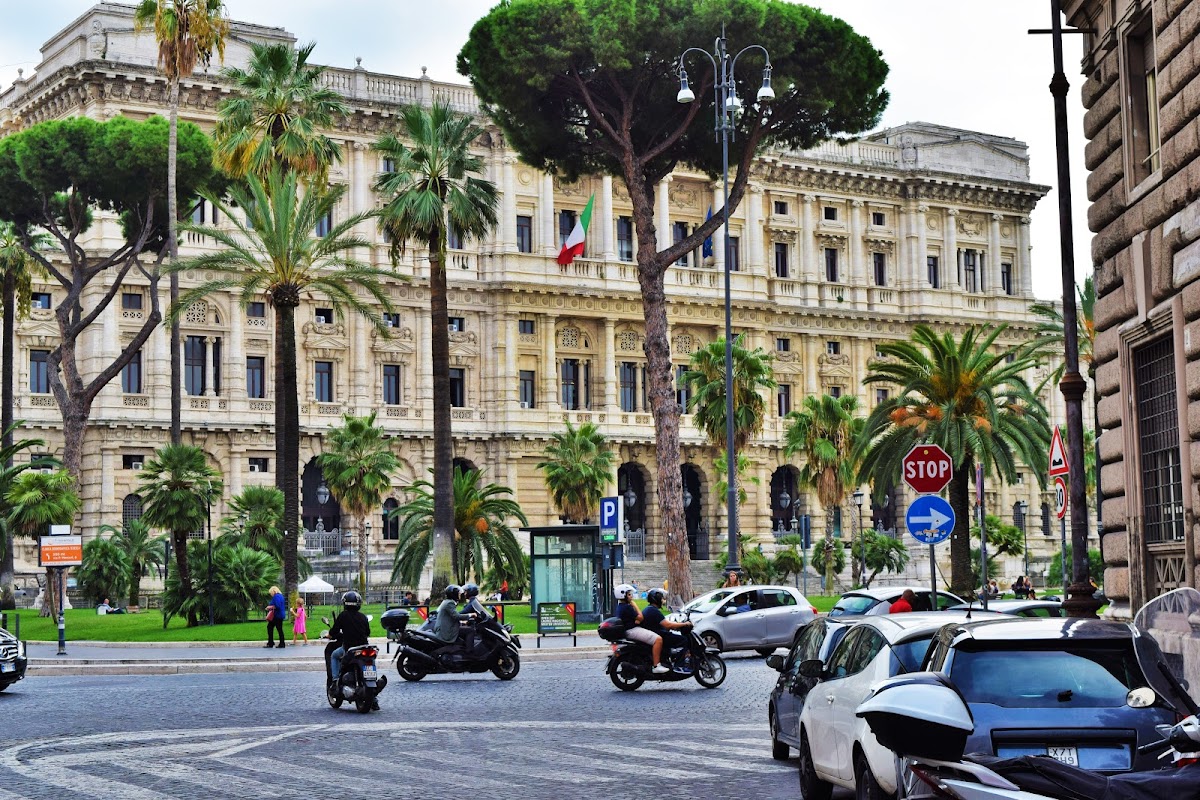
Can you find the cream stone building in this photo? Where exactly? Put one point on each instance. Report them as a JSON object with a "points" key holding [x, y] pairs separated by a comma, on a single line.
{"points": [[836, 250]]}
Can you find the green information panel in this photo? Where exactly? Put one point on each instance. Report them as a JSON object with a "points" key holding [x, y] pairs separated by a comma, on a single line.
{"points": [[556, 619]]}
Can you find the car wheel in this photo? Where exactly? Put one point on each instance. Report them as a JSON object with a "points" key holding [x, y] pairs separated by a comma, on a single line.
{"points": [[811, 786], [779, 750], [710, 639], [865, 785], [765, 651]]}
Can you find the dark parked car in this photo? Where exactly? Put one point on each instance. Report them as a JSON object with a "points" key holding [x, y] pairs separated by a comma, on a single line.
{"points": [[12, 659], [814, 640], [1057, 687], [877, 601]]}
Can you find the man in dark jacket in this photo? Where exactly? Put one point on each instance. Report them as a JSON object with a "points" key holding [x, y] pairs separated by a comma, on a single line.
{"points": [[350, 629]]}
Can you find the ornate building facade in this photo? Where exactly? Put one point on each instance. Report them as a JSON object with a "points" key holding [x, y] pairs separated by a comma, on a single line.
{"points": [[836, 250]]}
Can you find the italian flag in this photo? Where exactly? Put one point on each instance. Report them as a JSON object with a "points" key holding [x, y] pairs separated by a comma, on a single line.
{"points": [[574, 245]]}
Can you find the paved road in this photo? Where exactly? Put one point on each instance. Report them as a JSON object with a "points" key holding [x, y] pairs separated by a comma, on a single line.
{"points": [[559, 728]]}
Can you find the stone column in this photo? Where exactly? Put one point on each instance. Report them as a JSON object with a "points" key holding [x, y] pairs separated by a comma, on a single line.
{"points": [[108, 345], [610, 365], [508, 224], [209, 363], [510, 393], [157, 382], [360, 184], [1024, 261], [237, 461], [809, 269], [423, 368], [950, 263], [918, 274], [549, 398], [718, 237], [608, 236], [549, 243], [752, 251], [108, 467], [662, 213], [235, 354], [360, 365], [858, 267], [813, 346], [994, 259]]}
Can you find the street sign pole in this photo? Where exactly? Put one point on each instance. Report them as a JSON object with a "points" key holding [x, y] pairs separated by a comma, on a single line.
{"points": [[932, 575], [983, 557], [1063, 526], [1060, 510], [62, 618]]}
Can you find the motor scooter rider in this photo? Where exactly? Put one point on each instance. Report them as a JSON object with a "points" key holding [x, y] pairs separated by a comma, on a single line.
{"points": [[470, 592], [654, 620], [350, 629], [629, 614], [447, 626]]}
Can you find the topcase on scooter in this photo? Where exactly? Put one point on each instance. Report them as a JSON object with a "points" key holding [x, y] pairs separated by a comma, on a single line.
{"points": [[612, 629], [394, 620]]}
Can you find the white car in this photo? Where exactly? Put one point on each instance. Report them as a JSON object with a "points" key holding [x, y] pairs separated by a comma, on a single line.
{"points": [[760, 618], [836, 747]]}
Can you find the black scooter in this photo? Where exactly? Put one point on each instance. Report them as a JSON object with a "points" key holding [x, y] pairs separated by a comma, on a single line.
{"points": [[631, 663], [359, 681], [492, 647]]}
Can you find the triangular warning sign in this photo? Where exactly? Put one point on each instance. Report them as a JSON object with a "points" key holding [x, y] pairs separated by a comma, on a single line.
{"points": [[1058, 455]]}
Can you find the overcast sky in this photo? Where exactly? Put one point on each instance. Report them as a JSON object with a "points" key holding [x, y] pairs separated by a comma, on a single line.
{"points": [[964, 63]]}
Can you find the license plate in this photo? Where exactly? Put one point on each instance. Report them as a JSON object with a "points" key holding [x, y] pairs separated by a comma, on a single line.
{"points": [[1067, 755], [8, 667], [369, 673]]}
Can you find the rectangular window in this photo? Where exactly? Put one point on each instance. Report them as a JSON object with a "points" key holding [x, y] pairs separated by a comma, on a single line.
{"points": [[323, 316], [831, 213], [783, 345], [970, 261], [835, 391], [391, 384], [457, 323], [1006, 285], [679, 232], [1158, 441], [259, 464], [40, 300], [389, 165], [454, 238], [131, 375], [783, 398], [458, 387], [194, 351], [524, 233], [735, 254], [132, 460], [628, 385], [131, 301], [528, 380], [198, 213], [391, 319], [324, 225], [781, 260], [935, 277], [526, 326], [39, 376], [878, 219], [881, 396], [256, 377], [323, 381], [831, 264], [569, 384], [879, 261], [833, 348], [566, 224], [1142, 119], [683, 393], [256, 310], [624, 239], [781, 208]]}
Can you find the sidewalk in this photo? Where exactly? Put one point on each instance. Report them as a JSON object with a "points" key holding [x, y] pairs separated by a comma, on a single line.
{"points": [[186, 658]]}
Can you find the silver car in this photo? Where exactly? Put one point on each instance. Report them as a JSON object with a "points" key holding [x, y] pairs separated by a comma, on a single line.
{"points": [[758, 618]]}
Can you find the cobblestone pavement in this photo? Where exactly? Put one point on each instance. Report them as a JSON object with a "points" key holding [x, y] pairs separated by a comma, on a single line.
{"points": [[558, 728]]}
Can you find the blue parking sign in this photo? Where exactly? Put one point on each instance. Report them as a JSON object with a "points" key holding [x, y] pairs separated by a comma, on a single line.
{"points": [[610, 519]]}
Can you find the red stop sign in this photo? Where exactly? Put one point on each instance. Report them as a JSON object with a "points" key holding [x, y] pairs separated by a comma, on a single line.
{"points": [[927, 469]]}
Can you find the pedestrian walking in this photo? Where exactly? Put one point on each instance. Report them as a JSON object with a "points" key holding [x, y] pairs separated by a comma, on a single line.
{"points": [[276, 614], [300, 621]]}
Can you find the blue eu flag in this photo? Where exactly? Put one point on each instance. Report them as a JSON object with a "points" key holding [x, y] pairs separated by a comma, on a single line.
{"points": [[706, 251]]}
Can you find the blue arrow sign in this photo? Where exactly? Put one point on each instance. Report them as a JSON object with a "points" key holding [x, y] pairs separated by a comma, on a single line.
{"points": [[610, 519], [930, 519]]}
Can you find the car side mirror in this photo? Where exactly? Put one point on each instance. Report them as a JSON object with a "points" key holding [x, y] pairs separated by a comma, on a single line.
{"points": [[812, 668], [725, 611], [775, 662]]}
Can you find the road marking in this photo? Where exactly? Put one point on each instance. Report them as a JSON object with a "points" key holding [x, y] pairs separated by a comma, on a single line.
{"points": [[706, 760], [414, 774], [279, 769], [204, 778]]}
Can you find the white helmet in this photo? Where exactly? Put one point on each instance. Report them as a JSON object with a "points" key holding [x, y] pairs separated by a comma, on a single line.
{"points": [[623, 590]]}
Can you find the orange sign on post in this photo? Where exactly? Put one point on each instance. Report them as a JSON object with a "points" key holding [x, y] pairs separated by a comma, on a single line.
{"points": [[60, 551]]}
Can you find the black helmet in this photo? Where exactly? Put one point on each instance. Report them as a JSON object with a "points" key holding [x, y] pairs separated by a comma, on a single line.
{"points": [[656, 597], [352, 599], [453, 592], [470, 590]]}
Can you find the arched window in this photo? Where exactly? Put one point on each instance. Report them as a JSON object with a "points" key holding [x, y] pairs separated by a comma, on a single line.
{"points": [[131, 508], [391, 525]]}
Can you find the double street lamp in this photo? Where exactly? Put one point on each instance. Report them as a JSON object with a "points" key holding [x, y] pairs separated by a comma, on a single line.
{"points": [[862, 538], [1023, 508], [728, 106]]}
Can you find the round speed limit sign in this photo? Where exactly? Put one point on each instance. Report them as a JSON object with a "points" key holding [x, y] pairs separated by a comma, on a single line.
{"points": [[1060, 498]]}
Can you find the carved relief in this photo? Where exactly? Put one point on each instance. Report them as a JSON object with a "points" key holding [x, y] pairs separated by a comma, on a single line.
{"points": [[684, 197], [970, 224]]}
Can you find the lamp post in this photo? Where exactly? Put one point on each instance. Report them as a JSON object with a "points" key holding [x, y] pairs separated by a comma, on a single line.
{"points": [[785, 500], [208, 503], [725, 114], [365, 555], [1023, 507], [862, 538]]}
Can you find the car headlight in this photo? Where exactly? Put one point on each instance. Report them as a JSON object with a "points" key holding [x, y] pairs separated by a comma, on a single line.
{"points": [[20, 650]]}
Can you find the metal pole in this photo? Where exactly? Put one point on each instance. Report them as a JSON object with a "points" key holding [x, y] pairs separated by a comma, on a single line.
{"points": [[862, 548], [1079, 602], [983, 556], [1063, 559], [61, 575], [932, 578], [210, 588], [1025, 541], [725, 116]]}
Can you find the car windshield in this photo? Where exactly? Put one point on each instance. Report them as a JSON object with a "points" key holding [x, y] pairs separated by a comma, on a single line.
{"points": [[854, 604], [706, 603], [912, 652], [1072, 676]]}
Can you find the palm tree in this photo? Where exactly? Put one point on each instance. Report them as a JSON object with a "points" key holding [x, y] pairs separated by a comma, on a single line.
{"points": [[36, 500], [577, 466], [142, 551], [187, 32], [276, 113], [358, 465], [178, 486], [883, 554], [8, 473], [825, 432], [705, 377], [967, 396], [434, 185], [1048, 336], [253, 520], [274, 254], [481, 515]]}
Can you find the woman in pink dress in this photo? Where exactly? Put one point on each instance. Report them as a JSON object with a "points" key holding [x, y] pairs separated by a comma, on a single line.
{"points": [[298, 626]]}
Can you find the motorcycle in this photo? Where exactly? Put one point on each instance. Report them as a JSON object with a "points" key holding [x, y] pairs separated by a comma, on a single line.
{"points": [[420, 653], [631, 663], [358, 681], [924, 719]]}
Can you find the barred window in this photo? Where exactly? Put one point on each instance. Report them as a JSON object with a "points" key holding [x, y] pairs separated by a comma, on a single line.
{"points": [[1158, 439], [131, 508]]}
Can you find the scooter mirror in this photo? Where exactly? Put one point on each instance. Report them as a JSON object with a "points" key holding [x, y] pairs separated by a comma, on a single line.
{"points": [[370, 617], [325, 620], [325, 634], [1141, 697]]}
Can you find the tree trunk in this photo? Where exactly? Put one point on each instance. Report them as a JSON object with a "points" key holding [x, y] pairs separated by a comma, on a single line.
{"points": [[960, 539], [829, 548], [8, 599], [135, 585], [173, 248], [362, 553], [50, 598], [287, 440], [179, 540], [443, 444]]}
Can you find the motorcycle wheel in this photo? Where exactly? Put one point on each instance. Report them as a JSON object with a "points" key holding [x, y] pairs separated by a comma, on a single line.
{"points": [[335, 699], [710, 673], [507, 665], [363, 706], [625, 681], [409, 670]]}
